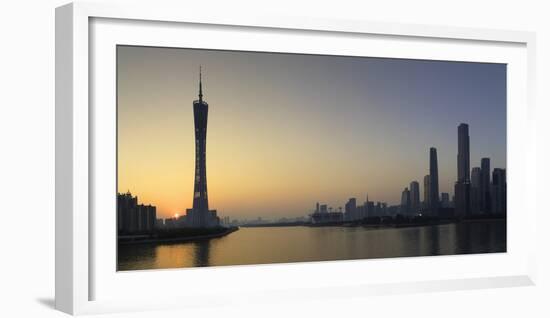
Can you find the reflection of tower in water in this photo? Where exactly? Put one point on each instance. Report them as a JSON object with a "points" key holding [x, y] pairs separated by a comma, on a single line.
{"points": [[202, 253]]}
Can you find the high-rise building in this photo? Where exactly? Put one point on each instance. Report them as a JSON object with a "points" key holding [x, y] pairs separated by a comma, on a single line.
{"points": [[445, 201], [485, 184], [462, 185], [415, 196], [200, 216], [426, 203], [350, 209], [434, 183], [463, 156], [498, 191], [475, 190], [133, 217], [405, 202]]}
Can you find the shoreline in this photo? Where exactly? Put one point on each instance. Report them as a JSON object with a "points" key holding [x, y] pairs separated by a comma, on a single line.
{"points": [[382, 226], [183, 239]]}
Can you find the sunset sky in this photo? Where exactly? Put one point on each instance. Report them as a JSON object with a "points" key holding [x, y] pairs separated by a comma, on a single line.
{"points": [[286, 131]]}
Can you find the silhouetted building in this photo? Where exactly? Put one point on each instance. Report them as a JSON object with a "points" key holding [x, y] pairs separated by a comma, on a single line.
{"points": [[405, 202], [462, 185], [350, 210], [323, 208], [200, 216], [475, 191], [133, 217], [463, 156], [434, 183], [485, 183], [415, 197], [426, 203], [498, 191], [445, 201]]}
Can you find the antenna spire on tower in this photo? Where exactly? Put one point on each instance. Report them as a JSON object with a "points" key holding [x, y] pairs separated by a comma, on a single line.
{"points": [[200, 83]]}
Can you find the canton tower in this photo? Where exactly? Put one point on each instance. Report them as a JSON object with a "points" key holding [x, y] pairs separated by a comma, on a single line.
{"points": [[200, 215]]}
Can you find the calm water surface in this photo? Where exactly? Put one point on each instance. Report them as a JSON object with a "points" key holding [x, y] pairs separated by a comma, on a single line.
{"points": [[264, 245]]}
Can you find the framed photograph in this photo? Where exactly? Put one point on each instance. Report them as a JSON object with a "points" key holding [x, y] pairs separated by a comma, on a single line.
{"points": [[261, 157]]}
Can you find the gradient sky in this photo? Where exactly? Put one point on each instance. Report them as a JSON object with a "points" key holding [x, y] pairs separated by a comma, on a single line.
{"points": [[287, 130]]}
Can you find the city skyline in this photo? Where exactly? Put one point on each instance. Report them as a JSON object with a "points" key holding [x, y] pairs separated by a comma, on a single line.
{"points": [[283, 140]]}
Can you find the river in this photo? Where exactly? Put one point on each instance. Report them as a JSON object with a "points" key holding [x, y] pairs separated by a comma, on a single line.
{"points": [[264, 245]]}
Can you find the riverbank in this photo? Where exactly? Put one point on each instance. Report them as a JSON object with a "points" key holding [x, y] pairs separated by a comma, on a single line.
{"points": [[174, 237]]}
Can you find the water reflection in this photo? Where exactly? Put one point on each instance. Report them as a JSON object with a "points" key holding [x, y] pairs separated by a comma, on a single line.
{"points": [[202, 253], [297, 244]]}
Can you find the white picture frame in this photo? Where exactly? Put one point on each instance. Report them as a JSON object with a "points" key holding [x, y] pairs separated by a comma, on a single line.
{"points": [[79, 265]]}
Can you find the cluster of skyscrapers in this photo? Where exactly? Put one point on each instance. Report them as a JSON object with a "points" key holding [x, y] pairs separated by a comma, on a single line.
{"points": [[477, 192], [133, 217]]}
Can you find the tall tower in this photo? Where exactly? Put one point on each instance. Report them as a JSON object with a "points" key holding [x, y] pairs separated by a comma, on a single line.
{"points": [[199, 215], [463, 156], [462, 185], [434, 183]]}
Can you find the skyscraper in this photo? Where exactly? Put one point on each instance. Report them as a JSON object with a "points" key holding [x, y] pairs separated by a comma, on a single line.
{"points": [[463, 156], [350, 209], [498, 191], [485, 184], [426, 202], [200, 215], [414, 189], [434, 183], [405, 202], [475, 190], [462, 185], [445, 201]]}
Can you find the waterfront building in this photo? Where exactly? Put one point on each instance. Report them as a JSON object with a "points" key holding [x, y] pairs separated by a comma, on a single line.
{"points": [[475, 191], [323, 208], [414, 189], [463, 156], [462, 185], [350, 210], [426, 202], [498, 191], [445, 201], [200, 216], [405, 202], [159, 224], [133, 217], [434, 183], [485, 184]]}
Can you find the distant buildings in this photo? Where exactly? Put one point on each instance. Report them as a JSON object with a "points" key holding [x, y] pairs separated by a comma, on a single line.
{"points": [[133, 217], [323, 216]]}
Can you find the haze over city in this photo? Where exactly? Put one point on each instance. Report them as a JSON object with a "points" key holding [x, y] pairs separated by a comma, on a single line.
{"points": [[286, 130]]}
